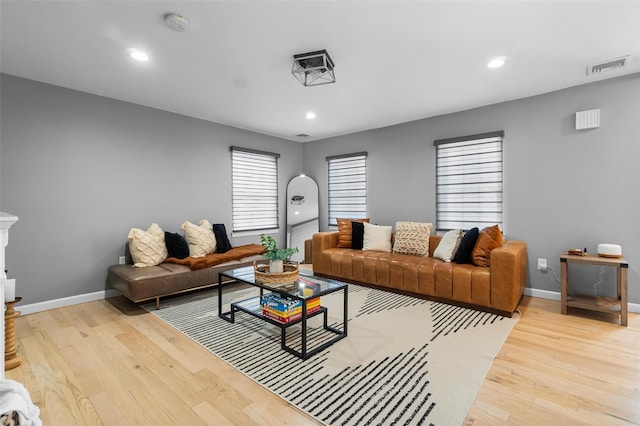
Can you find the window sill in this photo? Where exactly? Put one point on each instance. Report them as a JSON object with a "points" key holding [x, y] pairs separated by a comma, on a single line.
{"points": [[254, 232]]}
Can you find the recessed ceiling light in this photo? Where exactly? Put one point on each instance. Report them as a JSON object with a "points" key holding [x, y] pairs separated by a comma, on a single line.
{"points": [[497, 62], [138, 55], [311, 115]]}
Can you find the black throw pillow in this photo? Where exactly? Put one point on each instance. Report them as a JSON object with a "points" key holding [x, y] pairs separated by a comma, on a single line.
{"points": [[468, 242], [176, 245], [222, 241], [357, 235]]}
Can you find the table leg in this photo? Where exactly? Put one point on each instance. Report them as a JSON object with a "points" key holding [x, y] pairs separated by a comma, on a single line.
{"points": [[283, 338], [345, 313], [563, 286], [227, 316], [219, 295], [304, 329], [623, 274]]}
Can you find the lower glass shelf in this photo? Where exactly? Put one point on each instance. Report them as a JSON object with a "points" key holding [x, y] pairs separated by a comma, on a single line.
{"points": [[253, 307]]}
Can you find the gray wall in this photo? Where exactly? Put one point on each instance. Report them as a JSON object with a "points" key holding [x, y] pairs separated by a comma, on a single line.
{"points": [[80, 170], [563, 188]]}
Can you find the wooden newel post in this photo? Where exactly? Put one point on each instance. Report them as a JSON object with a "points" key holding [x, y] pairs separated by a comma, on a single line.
{"points": [[11, 357]]}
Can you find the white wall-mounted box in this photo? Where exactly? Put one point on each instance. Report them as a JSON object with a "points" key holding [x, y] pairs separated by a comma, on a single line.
{"points": [[589, 119]]}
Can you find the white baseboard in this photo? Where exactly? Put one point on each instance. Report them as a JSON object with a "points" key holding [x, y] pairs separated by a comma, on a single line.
{"points": [[99, 295], [67, 301], [555, 295], [542, 294]]}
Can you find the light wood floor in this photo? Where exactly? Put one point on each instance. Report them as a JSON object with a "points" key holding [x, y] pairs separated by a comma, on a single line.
{"points": [[109, 362]]}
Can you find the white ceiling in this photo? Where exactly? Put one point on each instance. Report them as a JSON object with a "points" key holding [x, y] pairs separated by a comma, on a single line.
{"points": [[395, 61]]}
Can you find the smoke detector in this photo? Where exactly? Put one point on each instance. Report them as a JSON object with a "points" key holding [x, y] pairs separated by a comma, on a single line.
{"points": [[177, 22], [610, 65]]}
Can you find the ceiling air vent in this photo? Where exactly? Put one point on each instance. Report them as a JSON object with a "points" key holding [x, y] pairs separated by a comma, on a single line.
{"points": [[302, 135], [610, 65]]}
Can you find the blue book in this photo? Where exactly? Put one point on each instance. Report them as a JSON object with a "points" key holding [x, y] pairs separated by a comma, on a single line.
{"points": [[277, 303]]}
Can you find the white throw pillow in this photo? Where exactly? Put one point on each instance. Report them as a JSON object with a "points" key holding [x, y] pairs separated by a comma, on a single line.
{"points": [[377, 238], [147, 248], [200, 238], [412, 238], [448, 245]]}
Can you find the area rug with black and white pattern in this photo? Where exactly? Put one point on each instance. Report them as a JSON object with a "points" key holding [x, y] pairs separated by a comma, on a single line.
{"points": [[405, 361]]}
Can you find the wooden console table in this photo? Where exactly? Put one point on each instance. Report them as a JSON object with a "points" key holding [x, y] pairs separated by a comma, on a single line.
{"points": [[603, 304]]}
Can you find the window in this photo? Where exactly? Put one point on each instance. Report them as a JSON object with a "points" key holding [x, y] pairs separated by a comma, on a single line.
{"points": [[469, 181], [347, 187], [254, 182]]}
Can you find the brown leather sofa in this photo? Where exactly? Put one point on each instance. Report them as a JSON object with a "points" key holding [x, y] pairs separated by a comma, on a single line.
{"points": [[497, 288], [154, 282]]}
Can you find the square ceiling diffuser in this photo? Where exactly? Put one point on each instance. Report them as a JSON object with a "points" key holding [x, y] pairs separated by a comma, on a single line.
{"points": [[313, 68]]}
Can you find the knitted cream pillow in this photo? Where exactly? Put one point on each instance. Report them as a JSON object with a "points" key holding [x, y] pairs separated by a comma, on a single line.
{"points": [[412, 238], [147, 248], [200, 238]]}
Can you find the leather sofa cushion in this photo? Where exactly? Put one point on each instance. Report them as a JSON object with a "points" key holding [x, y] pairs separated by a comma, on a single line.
{"points": [[344, 231], [489, 238]]}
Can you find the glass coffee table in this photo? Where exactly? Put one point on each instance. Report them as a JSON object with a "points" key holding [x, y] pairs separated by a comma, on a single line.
{"points": [[307, 287]]}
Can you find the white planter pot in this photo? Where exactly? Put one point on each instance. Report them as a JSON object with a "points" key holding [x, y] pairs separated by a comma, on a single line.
{"points": [[276, 266]]}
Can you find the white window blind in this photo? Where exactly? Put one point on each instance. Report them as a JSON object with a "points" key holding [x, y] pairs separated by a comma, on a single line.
{"points": [[469, 181], [254, 189], [347, 186]]}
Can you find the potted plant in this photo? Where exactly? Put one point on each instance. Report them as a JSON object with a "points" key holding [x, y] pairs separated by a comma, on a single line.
{"points": [[275, 255]]}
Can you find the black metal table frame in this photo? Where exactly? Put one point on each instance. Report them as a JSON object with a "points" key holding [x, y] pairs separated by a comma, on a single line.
{"points": [[304, 354]]}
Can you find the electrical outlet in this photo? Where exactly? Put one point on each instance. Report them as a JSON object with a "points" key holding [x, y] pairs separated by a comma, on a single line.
{"points": [[121, 260], [542, 264]]}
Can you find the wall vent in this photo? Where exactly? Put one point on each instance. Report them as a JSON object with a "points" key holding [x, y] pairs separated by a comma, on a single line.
{"points": [[588, 119], [610, 65]]}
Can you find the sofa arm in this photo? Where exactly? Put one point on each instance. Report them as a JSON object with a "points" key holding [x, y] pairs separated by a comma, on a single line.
{"points": [[308, 251], [321, 242], [508, 275]]}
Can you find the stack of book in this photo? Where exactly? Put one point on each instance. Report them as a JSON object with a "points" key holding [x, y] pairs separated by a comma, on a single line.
{"points": [[286, 310]]}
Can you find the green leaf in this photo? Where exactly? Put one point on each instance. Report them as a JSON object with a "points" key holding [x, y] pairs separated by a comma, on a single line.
{"points": [[273, 252]]}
